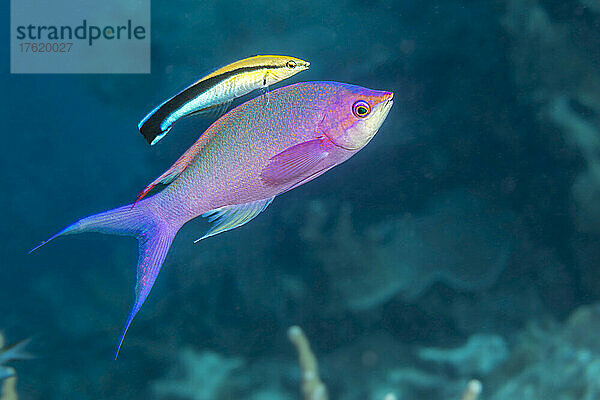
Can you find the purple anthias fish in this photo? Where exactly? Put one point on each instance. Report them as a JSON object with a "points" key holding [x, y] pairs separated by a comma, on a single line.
{"points": [[261, 149]]}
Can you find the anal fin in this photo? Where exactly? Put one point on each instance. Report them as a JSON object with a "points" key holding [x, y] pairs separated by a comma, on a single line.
{"points": [[231, 217]]}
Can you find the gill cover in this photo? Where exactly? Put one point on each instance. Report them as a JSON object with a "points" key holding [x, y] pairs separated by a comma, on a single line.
{"points": [[352, 121]]}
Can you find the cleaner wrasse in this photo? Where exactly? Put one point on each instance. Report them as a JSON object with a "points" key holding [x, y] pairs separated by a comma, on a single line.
{"points": [[215, 92]]}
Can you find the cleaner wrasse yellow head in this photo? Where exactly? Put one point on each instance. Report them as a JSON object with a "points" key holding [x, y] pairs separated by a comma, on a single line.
{"points": [[215, 92], [275, 68]]}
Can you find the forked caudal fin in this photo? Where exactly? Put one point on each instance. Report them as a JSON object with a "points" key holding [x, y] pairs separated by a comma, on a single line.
{"points": [[155, 237], [153, 234], [153, 248]]}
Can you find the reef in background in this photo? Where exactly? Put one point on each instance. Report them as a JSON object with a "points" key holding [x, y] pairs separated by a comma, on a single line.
{"points": [[462, 243], [546, 360]]}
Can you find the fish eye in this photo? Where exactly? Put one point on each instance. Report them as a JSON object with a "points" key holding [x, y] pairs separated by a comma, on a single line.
{"points": [[361, 109], [291, 64]]}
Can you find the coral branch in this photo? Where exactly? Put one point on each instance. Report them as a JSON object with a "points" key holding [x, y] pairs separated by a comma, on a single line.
{"points": [[8, 377], [312, 386], [8, 390], [472, 391]]}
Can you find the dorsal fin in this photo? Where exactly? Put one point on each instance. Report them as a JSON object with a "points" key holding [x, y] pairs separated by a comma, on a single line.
{"points": [[230, 217], [176, 169]]}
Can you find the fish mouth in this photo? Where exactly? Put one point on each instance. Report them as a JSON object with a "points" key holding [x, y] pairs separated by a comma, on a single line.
{"points": [[383, 109], [388, 97], [386, 104]]}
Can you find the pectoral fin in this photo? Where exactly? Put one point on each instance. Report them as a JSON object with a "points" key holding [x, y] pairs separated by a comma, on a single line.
{"points": [[214, 111], [231, 217], [295, 162]]}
